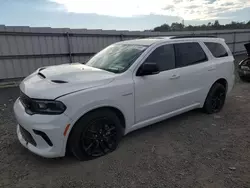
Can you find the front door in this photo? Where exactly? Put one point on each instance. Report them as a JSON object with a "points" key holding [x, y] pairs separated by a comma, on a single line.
{"points": [[155, 94]]}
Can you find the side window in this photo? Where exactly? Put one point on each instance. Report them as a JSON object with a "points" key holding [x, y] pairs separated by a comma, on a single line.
{"points": [[216, 49], [163, 56], [189, 54]]}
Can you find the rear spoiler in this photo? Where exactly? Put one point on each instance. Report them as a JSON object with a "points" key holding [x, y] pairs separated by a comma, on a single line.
{"points": [[247, 46]]}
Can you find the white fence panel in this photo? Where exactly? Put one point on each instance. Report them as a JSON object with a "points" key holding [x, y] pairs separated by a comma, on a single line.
{"points": [[24, 49]]}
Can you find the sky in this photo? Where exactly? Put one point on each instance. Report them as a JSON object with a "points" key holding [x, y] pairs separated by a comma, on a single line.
{"points": [[120, 14]]}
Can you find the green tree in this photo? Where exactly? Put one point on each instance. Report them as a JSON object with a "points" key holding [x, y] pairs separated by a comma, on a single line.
{"points": [[177, 26], [164, 27], [210, 26], [216, 24]]}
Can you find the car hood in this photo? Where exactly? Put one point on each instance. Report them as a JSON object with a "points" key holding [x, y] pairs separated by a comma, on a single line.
{"points": [[54, 81]]}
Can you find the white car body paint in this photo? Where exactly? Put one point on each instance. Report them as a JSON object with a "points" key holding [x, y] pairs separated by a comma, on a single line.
{"points": [[142, 100]]}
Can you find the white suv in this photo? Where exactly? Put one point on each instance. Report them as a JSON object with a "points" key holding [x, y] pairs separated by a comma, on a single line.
{"points": [[86, 109]]}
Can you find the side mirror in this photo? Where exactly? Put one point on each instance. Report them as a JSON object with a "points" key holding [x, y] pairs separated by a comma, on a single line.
{"points": [[148, 68]]}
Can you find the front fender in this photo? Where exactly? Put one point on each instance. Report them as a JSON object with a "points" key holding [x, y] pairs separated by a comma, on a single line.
{"points": [[95, 105], [80, 103]]}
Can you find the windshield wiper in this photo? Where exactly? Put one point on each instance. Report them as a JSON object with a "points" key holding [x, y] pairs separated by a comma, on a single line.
{"points": [[110, 70]]}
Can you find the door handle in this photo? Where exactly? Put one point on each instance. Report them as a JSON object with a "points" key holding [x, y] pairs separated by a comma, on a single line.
{"points": [[174, 76], [211, 68]]}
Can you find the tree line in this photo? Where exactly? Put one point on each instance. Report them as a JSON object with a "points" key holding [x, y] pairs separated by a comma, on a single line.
{"points": [[210, 26]]}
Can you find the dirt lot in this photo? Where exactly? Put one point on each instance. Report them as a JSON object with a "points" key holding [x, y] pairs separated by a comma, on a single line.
{"points": [[191, 150]]}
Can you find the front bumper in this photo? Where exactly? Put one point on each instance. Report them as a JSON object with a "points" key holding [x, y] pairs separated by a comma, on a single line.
{"points": [[40, 126]]}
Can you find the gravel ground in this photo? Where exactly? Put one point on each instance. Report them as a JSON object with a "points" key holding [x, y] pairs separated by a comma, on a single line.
{"points": [[190, 150]]}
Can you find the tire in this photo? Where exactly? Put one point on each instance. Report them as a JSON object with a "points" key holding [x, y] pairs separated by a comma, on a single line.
{"points": [[90, 134], [215, 99]]}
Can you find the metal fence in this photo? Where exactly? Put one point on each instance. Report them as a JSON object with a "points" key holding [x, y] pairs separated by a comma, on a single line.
{"points": [[24, 49]]}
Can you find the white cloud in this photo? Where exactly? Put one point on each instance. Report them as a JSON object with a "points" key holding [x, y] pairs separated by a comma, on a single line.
{"points": [[187, 9]]}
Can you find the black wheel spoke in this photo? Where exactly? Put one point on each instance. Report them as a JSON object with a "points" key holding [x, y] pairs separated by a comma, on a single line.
{"points": [[103, 147], [90, 137], [92, 131], [111, 129], [112, 135], [218, 100], [99, 138], [109, 143], [214, 103], [90, 145]]}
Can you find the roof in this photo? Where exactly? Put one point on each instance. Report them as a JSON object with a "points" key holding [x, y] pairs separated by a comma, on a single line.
{"points": [[145, 41], [153, 40]]}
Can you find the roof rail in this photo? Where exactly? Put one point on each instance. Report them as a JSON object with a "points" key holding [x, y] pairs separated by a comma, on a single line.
{"points": [[193, 36]]}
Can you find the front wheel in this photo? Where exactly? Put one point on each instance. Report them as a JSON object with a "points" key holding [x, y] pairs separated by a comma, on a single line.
{"points": [[95, 135], [215, 99]]}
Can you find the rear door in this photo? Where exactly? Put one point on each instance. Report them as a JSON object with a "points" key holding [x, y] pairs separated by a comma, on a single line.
{"points": [[195, 73], [223, 60]]}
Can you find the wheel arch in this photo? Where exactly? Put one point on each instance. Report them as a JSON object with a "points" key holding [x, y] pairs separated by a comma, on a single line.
{"points": [[116, 110], [224, 83], [221, 81]]}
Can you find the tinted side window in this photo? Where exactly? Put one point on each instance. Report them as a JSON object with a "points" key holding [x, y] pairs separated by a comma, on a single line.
{"points": [[216, 49], [189, 54], [163, 56]]}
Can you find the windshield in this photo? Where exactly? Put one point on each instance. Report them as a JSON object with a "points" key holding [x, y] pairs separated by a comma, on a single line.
{"points": [[116, 58]]}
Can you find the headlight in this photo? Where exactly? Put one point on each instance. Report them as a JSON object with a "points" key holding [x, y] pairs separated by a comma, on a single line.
{"points": [[38, 106]]}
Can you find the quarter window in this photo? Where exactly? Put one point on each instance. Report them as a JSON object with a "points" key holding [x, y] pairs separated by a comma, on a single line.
{"points": [[216, 49], [189, 54], [163, 56]]}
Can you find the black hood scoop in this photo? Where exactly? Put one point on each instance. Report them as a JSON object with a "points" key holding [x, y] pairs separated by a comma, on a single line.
{"points": [[42, 75], [59, 81]]}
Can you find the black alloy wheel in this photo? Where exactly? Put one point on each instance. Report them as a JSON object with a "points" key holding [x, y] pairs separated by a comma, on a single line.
{"points": [[218, 99], [99, 138], [95, 134], [215, 99]]}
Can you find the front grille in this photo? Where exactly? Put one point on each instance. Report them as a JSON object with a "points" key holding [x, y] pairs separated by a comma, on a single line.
{"points": [[27, 136]]}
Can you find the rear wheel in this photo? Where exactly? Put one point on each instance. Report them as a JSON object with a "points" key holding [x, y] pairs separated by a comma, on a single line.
{"points": [[95, 135], [215, 99]]}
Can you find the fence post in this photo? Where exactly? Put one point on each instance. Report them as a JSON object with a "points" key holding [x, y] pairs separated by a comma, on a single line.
{"points": [[234, 35], [69, 48], [121, 37]]}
